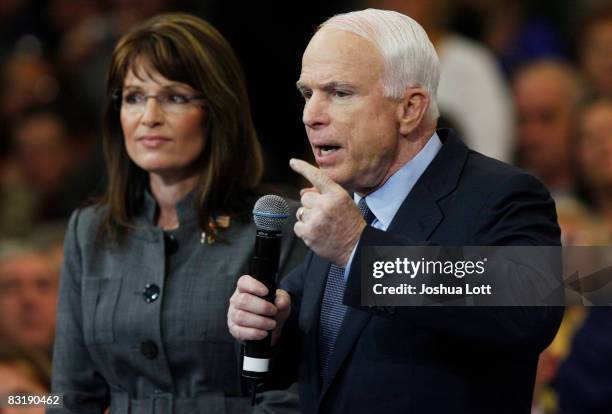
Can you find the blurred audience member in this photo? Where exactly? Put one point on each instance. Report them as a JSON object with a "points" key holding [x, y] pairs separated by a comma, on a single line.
{"points": [[544, 396], [546, 95], [43, 150], [40, 185], [67, 14], [23, 371], [578, 228], [128, 13], [28, 79], [88, 31], [472, 93], [518, 34], [84, 44], [28, 296], [595, 152], [584, 382], [595, 49], [19, 23]]}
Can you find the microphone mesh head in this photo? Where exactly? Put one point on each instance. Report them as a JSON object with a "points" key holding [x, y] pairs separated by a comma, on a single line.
{"points": [[270, 213]]}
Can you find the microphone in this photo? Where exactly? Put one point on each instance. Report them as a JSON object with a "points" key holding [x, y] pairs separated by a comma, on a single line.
{"points": [[269, 214]]}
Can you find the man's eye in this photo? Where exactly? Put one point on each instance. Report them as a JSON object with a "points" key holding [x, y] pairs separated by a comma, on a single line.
{"points": [[44, 284], [9, 288], [133, 98], [341, 94], [306, 94]]}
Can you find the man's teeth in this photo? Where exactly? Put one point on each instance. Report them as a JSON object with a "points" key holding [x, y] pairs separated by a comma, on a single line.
{"points": [[325, 151]]}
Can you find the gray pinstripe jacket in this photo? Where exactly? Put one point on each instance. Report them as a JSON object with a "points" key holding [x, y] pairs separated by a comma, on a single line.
{"points": [[171, 354]]}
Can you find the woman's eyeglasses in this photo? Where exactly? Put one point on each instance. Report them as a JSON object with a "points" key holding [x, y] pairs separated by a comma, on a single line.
{"points": [[169, 101]]}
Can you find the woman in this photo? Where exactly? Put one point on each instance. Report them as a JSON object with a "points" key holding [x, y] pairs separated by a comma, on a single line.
{"points": [[149, 271]]}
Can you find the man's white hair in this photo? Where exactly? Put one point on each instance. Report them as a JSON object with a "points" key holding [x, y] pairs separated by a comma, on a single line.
{"points": [[410, 59]]}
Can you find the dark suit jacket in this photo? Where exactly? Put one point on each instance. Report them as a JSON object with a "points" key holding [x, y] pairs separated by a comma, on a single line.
{"points": [[424, 359]]}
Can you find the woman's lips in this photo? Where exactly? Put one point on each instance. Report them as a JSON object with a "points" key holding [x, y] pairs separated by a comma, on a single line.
{"points": [[153, 141]]}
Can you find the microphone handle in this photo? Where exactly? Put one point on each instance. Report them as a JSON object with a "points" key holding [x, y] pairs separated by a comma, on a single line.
{"points": [[264, 267]]}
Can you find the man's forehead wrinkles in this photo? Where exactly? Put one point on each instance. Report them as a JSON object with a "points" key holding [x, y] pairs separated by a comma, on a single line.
{"points": [[319, 73], [326, 81]]}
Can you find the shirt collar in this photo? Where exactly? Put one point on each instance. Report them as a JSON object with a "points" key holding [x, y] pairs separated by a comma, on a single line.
{"points": [[385, 201]]}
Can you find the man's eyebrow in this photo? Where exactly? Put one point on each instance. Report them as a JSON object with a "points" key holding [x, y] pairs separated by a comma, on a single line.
{"points": [[330, 86], [326, 86]]}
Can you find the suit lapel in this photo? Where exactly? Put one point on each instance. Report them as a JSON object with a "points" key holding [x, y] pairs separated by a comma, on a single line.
{"points": [[420, 214], [417, 218], [314, 285], [353, 324]]}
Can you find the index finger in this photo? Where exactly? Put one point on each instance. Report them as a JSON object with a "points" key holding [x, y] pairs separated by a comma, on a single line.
{"points": [[316, 177], [248, 284]]}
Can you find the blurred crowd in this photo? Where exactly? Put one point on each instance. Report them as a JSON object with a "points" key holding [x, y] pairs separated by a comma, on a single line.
{"points": [[527, 84]]}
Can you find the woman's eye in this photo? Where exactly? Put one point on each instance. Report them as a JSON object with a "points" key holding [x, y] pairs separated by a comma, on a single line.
{"points": [[133, 98], [177, 98]]}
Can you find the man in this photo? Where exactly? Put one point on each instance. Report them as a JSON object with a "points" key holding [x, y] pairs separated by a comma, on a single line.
{"points": [[594, 45], [369, 80], [595, 154], [547, 94], [23, 371], [41, 184], [28, 298]]}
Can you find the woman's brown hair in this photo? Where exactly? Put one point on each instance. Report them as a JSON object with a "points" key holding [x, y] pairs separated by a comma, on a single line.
{"points": [[185, 49]]}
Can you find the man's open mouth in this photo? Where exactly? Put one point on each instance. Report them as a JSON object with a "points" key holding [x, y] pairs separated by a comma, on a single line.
{"points": [[327, 149]]}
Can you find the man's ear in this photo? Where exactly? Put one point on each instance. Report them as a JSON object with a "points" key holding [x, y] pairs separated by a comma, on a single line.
{"points": [[411, 109]]}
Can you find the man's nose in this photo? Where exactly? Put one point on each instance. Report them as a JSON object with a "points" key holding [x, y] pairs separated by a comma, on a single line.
{"points": [[30, 297], [532, 130], [315, 112], [152, 113]]}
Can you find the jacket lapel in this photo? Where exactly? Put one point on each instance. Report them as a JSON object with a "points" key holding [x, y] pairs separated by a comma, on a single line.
{"points": [[420, 214], [314, 285], [353, 324]]}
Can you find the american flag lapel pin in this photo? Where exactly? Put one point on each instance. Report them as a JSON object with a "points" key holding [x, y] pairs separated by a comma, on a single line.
{"points": [[223, 221]]}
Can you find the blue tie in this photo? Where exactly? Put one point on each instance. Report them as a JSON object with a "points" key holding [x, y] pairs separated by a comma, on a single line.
{"points": [[332, 309]]}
